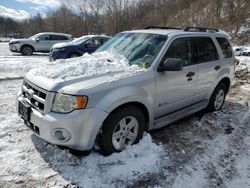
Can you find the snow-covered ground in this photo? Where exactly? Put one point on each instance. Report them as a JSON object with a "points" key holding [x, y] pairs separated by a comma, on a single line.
{"points": [[202, 150]]}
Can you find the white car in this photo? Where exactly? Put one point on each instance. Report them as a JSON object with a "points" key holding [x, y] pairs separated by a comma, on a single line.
{"points": [[239, 50], [41, 42]]}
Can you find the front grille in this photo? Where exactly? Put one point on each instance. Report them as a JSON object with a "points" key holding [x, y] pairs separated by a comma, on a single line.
{"points": [[34, 95]]}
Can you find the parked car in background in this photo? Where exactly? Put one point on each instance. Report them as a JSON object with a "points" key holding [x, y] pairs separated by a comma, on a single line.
{"points": [[238, 51], [41, 42], [77, 47], [246, 52]]}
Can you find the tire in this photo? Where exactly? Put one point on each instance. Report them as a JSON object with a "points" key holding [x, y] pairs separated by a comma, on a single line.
{"points": [[27, 50], [73, 55], [218, 98], [122, 127]]}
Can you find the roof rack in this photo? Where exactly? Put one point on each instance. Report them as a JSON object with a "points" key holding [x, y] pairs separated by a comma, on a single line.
{"points": [[161, 27], [200, 29]]}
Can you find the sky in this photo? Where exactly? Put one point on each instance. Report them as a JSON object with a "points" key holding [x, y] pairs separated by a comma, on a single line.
{"points": [[21, 9]]}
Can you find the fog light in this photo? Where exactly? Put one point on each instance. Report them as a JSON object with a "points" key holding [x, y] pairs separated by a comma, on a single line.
{"points": [[62, 135]]}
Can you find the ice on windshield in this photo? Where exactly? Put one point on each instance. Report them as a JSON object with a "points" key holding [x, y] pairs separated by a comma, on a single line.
{"points": [[139, 48]]}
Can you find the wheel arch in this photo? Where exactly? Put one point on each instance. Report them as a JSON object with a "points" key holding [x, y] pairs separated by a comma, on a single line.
{"points": [[137, 104], [27, 45], [70, 53], [225, 81]]}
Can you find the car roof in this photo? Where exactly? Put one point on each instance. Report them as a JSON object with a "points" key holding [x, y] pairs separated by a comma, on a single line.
{"points": [[54, 33], [184, 31], [98, 36]]}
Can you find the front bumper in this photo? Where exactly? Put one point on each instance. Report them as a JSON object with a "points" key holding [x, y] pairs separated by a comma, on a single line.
{"points": [[54, 55], [83, 126], [14, 48]]}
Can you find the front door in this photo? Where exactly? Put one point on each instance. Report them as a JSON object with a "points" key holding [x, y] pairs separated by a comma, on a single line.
{"points": [[176, 89], [92, 44], [42, 42]]}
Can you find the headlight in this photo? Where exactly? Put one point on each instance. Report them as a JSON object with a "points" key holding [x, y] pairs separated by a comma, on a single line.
{"points": [[16, 42], [58, 49], [67, 103]]}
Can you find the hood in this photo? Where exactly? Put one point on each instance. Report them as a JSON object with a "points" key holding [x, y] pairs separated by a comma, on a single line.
{"points": [[19, 40], [72, 75], [63, 44]]}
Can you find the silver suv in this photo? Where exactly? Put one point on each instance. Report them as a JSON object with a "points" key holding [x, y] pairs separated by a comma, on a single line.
{"points": [[185, 70], [41, 42]]}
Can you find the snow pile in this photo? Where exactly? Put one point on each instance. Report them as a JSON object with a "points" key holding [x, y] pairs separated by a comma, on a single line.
{"points": [[95, 170], [99, 171], [86, 65]]}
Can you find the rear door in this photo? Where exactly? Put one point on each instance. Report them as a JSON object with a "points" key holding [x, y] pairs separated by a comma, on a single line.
{"points": [[176, 89], [206, 56]]}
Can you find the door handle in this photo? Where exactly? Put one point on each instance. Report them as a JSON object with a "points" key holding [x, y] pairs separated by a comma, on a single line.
{"points": [[190, 74], [217, 67]]}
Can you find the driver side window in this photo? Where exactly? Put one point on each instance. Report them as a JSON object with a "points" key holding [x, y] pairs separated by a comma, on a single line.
{"points": [[43, 37], [94, 42], [180, 49]]}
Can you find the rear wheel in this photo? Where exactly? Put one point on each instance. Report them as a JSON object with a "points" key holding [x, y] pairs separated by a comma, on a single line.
{"points": [[123, 127], [218, 98], [26, 50]]}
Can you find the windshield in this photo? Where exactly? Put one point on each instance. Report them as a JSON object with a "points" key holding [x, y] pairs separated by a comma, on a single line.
{"points": [[34, 36], [139, 48], [80, 40]]}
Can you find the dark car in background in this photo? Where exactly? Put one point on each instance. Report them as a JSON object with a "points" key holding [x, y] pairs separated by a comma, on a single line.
{"points": [[77, 47]]}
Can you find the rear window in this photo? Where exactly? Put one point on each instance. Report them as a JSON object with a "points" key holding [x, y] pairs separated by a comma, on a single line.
{"points": [[58, 37], [225, 47]]}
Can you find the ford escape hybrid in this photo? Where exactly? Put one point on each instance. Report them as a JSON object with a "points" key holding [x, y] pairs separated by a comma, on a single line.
{"points": [[184, 71]]}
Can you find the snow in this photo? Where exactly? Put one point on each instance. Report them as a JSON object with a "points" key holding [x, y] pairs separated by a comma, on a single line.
{"points": [[14, 66], [4, 39], [85, 65], [203, 150], [98, 171]]}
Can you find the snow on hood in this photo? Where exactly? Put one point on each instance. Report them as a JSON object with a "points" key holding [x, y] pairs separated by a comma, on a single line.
{"points": [[86, 65], [19, 40]]}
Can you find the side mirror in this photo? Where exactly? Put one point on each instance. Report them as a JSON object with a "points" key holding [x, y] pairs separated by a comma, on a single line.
{"points": [[37, 39], [171, 64]]}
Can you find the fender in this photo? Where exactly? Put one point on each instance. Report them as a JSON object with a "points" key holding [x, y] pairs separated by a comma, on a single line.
{"points": [[224, 73], [127, 94]]}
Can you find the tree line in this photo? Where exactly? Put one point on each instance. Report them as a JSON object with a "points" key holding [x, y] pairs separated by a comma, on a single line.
{"points": [[112, 16]]}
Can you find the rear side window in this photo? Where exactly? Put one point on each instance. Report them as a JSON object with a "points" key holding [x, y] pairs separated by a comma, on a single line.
{"points": [[58, 37], [225, 47], [205, 50]]}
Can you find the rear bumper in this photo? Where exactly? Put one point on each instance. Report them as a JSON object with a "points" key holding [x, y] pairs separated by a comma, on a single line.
{"points": [[82, 126]]}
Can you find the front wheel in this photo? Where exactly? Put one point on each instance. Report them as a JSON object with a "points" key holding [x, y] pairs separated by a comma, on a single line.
{"points": [[218, 98], [26, 50], [74, 55], [123, 127]]}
